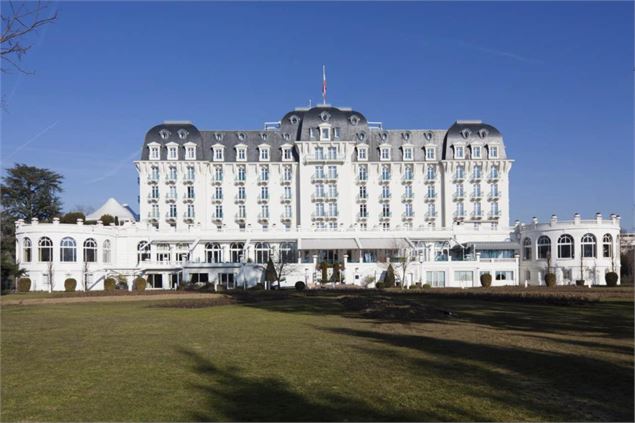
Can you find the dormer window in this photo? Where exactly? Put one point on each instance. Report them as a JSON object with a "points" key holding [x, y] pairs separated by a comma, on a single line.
{"points": [[325, 134], [384, 153], [493, 152], [287, 154], [476, 152], [154, 152], [430, 153], [336, 133], [354, 120], [362, 152], [407, 153], [182, 133], [218, 151], [241, 153], [312, 133], [190, 151], [264, 153], [173, 151], [164, 133], [459, 152]]}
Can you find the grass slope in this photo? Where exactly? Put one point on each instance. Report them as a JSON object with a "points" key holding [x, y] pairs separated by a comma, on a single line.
{"points": [[314, 358]]}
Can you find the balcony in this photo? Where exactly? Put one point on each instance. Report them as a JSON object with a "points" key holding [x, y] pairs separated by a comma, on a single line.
{"points": [[476, 196], [493, 196], [318, 177], [285, 181], [188, 217], [362, 216], [458, 177], [217, 217], [217, 198], [217, 179], [430, 179], [407, 197], [153, 216], [475, 178], [476, 215], [325, 215], [493, 177], [430, 196], [237, 199], [263, 198], [458, 196], [285, 199], [385, 215], [263, 217], [153, 179], [239, 181], [361, 180], [408, 216], [285, 217], [263, 180], [459, 215], [188, 199], [331, 177], [362, 198], [152, 198], [324, 158], [494, 215], [431, 215], [385, 179], [170, 179], [407, 179], [240, 217], [385, 197], [170, 216], [188, 179]]}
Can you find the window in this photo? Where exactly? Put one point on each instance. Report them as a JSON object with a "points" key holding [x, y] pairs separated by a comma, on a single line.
{"points": [[319, 171], [154, 153], [172, 211], [431, 210], [286, 154], [477, 172], [218, 211], [607, 246], [90, 250], [589, 245], [385, 192], [218, 192], [363, 193], [460, 172], [493, 152], [264, 211], [264, 153], [241, 154], [154, 173], [477, 190], [336, 133], [435, 278], [107, 252], [362, 173], [154, 192], [431, 192], [264, 193], [242, 211], [287, 211], [325, 134], [286, 173], [319, 209], [385, 173], [332, 153], [173, 152], [459, 152], [565, 246], [332, 191], [430, 173], [190, 152], [213, 253], [219, 154], [363, 210], [332, 172], [408, 173], [241, 193], [319, 153], [171, 193], [504, 275], [430, 153], [464, 276], [407, 153], [460, 209], [26, 250], [384, 153], [287, 192], [264, 173], [172, 173], [190, 172], [385, 212], [143, 251], [288, 253], [544, 247], [45, 249], [476, 152], [477, 210], [527, 249], [459, 190], [242, 173], [68, 250], [236, 252], [409, 212], [262, 252], [362, 153], [493, 189], [190, 211], [163, 253]]}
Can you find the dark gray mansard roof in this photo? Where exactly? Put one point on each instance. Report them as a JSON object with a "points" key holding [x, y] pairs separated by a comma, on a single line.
{"points": [[295, 126]]}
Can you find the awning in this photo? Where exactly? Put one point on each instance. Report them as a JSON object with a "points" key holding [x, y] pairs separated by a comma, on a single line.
{"points": [[383, 243], [328, 244], [496, 245]]}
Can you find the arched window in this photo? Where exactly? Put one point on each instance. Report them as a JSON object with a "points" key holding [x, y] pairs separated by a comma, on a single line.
{"points": [[45, 249], [607, 246], [143, 251], [26, 250], [288, 252], [236, 251], [544, 247], [527, 249], [213, 253], [68, 249], [588, 245], [90, 250], [565, 246], [262, 252], [107, 251]]}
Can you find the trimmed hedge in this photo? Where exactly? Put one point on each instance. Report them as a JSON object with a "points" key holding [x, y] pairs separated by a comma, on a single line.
{"points": [[426, 285], [70, 284], [550, 280], [110, 284], [24, 285], [299, 286], [579, 282], [611, 279], [486, 280], [139, 284], [379, 285], [389, 279]]}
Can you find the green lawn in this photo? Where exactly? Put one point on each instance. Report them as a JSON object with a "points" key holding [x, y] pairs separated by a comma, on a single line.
{"points": [[318, 358]]}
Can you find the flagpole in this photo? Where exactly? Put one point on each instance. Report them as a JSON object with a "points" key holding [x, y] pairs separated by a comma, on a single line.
{"points": [[323, 84]]}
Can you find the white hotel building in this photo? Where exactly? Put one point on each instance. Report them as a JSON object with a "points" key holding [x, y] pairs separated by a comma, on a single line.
{"points": [[321, 185]]}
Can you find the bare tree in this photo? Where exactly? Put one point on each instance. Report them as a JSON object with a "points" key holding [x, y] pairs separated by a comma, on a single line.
{"points": [[18, 23], [405, 257], [85, 275]]}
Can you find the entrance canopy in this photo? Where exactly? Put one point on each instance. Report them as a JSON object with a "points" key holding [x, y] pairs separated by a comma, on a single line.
{"points": [[383, 243]]}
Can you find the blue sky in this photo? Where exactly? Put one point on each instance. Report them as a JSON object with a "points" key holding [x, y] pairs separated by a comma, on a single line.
{"points": [[555, 78]]}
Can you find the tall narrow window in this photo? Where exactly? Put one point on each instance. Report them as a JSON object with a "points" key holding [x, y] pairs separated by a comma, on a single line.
{"points": [[262, 252], [607, 246], [565, 246], [90, 250], [527, 249], [544, 247], [107, 252], [589, 245], [68, 250], [26, 250], [362, 173], [213, 253], [143, 251], [236, 251]]}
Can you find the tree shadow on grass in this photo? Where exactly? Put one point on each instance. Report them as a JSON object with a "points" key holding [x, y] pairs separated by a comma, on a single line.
{"points": [[233, 396], [554, 385]]}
